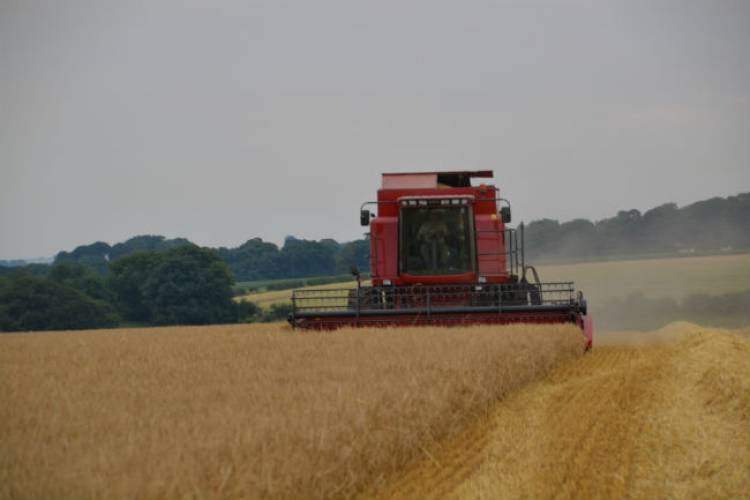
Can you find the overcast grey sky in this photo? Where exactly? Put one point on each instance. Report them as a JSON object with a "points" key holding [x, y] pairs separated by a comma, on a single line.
{"points": [[221, 121]]}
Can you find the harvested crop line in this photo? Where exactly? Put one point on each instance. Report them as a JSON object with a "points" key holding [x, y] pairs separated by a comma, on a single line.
{"points": [[248, 411], [665, 416]]}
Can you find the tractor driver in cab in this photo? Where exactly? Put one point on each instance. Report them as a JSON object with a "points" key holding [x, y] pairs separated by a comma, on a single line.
{"points": [[433, 246]]}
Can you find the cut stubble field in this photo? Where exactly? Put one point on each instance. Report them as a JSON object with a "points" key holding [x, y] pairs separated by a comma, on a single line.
{"points": [[662, 414]]}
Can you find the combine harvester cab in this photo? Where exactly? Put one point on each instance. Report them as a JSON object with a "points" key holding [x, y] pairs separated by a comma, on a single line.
{"points": [[441, 254]]}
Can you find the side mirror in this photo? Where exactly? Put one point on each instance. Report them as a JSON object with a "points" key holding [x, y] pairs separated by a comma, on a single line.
{"points": [[505, 214], [364, 217], [355, 271]]}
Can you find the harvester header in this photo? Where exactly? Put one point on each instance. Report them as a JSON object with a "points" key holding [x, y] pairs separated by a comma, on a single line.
{"points": [[442, 252]]}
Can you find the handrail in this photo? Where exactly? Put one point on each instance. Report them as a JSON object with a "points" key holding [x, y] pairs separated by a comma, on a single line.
{"points": [[436, 299]]}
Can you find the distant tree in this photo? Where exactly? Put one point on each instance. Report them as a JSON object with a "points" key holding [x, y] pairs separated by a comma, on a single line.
{"points": [[738, 220], [147, 243], [28, 269], [190, 285], [35, 303], [97, 256], [248, 312], [330, 244], [662, 228], [126, 279], [12, 263], [708, 225], [183, 285], [541, 237], [253, 260], [577, 239], [94, 256], [619, 234], [353, 253], [81, 278], [302, 258]]}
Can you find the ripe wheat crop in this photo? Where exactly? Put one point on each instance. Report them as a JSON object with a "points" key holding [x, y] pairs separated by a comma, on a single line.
{"points": [[248, 411]]}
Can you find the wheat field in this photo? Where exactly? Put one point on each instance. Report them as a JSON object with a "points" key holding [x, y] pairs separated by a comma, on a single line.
{"points": [[253, 411], [261, 411]]}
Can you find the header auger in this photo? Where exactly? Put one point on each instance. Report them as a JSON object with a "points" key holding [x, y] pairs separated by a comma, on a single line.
{"points": [[441, 253]]}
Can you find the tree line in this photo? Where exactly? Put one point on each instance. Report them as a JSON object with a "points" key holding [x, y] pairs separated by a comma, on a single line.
{"points": [[153, 280], [253, 260], [714, 225], [181, 285]]}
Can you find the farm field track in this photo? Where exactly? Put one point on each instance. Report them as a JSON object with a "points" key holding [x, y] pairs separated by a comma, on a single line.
{"points": [[646, 416], [674, 278]]}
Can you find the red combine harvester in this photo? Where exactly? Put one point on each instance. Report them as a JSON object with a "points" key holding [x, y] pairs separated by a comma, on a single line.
{"points": [[441, 254]]}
